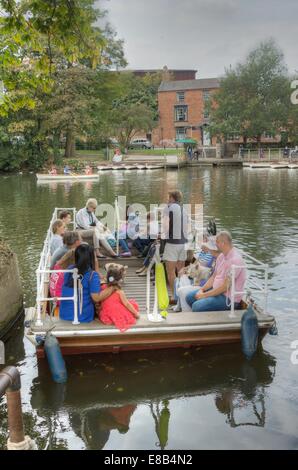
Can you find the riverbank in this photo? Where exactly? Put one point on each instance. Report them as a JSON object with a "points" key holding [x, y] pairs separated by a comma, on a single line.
{"points": [[11, 296]]}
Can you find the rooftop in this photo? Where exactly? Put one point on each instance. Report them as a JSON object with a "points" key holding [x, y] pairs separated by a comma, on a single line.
{"points": [[199, 84]]}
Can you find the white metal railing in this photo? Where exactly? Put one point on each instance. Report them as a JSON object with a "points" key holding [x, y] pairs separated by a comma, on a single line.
{"points": [[117, 225], [43, 271], [154, 316], [270, 154], [253, 285]]}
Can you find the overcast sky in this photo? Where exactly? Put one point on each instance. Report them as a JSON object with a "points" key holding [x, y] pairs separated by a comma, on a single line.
{"points": [[207, 35]]}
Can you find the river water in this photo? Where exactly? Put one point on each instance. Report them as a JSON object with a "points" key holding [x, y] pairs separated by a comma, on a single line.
{"points": [[189, 399]]}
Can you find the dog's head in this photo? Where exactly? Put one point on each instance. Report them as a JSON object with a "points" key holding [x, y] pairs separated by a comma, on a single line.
{"points": [[198, 272], [117, 267]]}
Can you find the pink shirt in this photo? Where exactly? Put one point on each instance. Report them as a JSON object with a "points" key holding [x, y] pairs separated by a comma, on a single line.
{"points": [[56, 283], [223, 268]]}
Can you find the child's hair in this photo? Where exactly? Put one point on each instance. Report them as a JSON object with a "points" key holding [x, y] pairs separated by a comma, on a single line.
{"points": [[115, 276], [64, 214], [55, 225]]}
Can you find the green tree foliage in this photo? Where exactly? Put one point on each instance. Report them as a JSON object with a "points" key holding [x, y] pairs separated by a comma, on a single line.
{"points": [[128, 120], [136, 107], [254, 97], [49, 51]]}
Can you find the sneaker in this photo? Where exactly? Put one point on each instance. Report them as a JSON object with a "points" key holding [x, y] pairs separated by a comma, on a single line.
{"points": [[138, 271], [143, 273], [176, 309], [126, 254]]}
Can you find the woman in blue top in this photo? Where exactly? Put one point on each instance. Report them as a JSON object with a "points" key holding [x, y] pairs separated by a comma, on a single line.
{"points": [[88, 287]]}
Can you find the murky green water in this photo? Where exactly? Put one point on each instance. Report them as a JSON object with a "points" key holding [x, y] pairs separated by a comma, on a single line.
{"points": [[195, 399]]}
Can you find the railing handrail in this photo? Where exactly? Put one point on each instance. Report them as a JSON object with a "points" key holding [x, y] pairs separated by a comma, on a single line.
{"points": [[43, 267], [233, 292]]}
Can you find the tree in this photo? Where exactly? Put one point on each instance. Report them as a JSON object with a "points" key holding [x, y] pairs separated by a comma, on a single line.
{"points": [[79, 105], [127, 120], [43, 44], [136, 107], [253, 98]]}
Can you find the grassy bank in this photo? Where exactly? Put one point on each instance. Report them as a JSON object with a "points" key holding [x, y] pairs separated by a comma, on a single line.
{"points": [[157, 152]]}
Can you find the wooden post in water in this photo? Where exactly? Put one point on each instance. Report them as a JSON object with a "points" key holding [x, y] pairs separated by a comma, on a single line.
{"points": [[10, 384]]}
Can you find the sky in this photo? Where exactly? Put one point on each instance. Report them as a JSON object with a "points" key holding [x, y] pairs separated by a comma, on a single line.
{"points": [[205, 35]]}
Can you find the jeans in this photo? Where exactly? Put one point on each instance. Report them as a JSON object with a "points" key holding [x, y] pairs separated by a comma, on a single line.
{"points": [[149, 255], [183, 292], [141, 243], [216, 303], [122, 243]]}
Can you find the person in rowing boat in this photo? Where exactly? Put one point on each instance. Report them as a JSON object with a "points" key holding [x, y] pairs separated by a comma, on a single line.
{"points": [[215, 295], [58, 229], [53, 171], [88, 170], [89, 287], [117, 158], [66, 170], [90, 226]]}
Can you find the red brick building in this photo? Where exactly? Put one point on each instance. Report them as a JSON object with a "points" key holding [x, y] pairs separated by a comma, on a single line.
{"points": [[182, 111]]}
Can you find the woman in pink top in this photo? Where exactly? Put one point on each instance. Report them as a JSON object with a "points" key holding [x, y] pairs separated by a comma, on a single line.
{"points": [[56, 279], [215, 294]]}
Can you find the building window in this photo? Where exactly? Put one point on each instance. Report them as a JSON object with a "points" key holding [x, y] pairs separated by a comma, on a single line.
{"points": [[206, 114], [180, 96], [267, 135], [206, 95], [180, 113], [180, 133]]}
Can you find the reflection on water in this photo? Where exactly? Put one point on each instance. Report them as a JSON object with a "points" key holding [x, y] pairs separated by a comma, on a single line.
{"points": [[193, 399], [103, 393]]}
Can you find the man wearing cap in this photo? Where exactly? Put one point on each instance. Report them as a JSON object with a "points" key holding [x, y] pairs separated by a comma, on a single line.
{"points": [[215, 295]]}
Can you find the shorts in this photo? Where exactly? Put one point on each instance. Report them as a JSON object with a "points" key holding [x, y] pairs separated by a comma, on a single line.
{"points": [[175, 252]]}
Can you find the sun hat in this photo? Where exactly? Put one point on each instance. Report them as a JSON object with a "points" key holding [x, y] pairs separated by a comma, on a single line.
{"points": [[210, 244]]}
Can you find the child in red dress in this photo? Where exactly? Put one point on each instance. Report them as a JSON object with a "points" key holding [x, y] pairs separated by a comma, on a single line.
{"points": [[117, 309]]}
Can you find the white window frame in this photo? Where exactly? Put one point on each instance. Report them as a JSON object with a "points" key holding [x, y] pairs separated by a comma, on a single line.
{"points": [[184, 113]]}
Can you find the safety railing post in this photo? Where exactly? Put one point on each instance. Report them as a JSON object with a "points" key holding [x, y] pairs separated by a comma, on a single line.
{"points": [[232, 314], [38, 307], [75, 297], [266, 289], [148, 291]]}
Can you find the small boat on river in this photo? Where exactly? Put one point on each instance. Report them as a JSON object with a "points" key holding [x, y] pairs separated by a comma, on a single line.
{"points": [[72, 177], [152, 331], [279, 166]]}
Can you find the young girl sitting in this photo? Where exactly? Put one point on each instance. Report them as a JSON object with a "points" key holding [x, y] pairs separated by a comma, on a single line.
{"points": [[117, 309]]}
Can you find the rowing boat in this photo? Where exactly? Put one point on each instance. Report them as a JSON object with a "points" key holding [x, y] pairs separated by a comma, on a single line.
{"points": [[73, 177]]}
